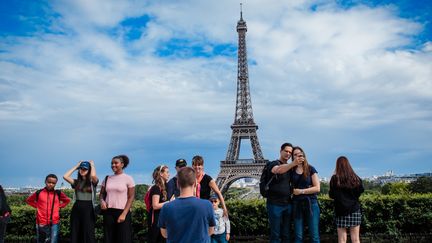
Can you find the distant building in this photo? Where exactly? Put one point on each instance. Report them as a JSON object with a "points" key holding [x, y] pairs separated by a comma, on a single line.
{"points": [[389, 177], [324, 179]]}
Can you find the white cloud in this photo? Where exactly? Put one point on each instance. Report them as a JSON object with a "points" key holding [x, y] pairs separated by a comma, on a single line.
{"points": [[343, 71]]}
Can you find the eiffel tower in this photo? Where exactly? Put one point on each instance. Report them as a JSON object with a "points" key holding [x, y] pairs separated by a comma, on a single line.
{"points": [[244, 127]]}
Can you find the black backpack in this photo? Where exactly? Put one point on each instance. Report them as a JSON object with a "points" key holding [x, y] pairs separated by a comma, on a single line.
{"points": [[266, 179]]}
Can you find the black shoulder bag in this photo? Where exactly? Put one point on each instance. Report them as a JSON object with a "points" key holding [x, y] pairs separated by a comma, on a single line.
{"points": [[97, 208]]}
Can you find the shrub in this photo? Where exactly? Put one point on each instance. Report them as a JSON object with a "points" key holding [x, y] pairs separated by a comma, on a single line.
{"points": [[392, 215]]}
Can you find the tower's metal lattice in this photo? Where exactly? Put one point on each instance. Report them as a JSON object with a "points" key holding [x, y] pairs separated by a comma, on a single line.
{"points": [[244, 127]]}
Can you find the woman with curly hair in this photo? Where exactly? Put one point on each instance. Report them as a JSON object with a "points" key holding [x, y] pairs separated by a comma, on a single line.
{"points": [[158, 195], [116, 197], [346, 188]]}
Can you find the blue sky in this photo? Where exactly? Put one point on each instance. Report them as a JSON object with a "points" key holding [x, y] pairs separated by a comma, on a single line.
{"points": [[156, 80]]}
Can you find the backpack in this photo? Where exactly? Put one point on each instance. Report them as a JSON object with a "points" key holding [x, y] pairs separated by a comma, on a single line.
{"points": [[148, 200], [266, 179]]}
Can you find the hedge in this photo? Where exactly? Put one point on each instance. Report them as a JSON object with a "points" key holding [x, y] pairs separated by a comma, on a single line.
{"points": [[393, 215]]}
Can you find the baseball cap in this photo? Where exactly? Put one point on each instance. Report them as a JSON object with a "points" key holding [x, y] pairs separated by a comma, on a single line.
{"points": [[84, 165], [213, 197], [181, 163]]}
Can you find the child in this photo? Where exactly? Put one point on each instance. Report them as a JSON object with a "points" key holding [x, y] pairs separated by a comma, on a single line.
{"points": [[48, 202], [222, 228]]}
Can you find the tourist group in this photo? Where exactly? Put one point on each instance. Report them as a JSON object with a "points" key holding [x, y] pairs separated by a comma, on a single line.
{"points": [[190, 207]]}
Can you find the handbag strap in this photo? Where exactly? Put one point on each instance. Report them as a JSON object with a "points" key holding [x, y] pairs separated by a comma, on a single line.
{"points": [[104, 195]]}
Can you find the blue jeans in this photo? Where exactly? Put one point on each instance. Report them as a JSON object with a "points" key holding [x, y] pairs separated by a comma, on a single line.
{"points": [[46, 233], [310, 211], [220, 238], [280, 222]]}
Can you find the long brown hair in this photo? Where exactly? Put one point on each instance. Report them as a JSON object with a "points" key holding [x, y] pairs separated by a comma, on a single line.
{"points": [[306, 168], [159, 181], [86, 187], [345, 175]]}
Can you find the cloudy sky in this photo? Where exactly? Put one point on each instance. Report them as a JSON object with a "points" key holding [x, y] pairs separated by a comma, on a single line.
{"points": [[156, 80]]}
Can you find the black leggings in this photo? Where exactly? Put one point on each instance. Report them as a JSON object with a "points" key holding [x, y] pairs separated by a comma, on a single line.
{"points": [[117, 232], [82, 222]]}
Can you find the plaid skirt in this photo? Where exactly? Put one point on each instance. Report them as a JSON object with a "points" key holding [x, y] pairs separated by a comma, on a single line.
{"points": [[350, 220]]}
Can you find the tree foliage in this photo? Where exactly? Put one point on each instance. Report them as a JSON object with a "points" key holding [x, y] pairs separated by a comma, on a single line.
{"points": [[400, 188], [421, 185], [140, 191], [324, 188], [371, 187]]}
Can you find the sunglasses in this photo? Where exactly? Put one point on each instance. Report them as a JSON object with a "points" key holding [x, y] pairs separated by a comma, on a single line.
{"points": [[161, 168]]}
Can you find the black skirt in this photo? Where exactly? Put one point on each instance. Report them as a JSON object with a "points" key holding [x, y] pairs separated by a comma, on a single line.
{"points": [[350, 220], [82, 222]]}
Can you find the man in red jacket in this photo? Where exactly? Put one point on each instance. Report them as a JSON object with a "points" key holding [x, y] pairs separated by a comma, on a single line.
{"points": [[48, 203]]}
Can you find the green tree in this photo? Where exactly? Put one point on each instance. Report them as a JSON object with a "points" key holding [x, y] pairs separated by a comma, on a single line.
{"points": [[324, 188], [371, 187], [140, 191], [399, 188], [69, 192], [421, 185], [16, 199]]}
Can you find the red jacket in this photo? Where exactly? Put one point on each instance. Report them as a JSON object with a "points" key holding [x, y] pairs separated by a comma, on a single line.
{"points": [[44, 204]]}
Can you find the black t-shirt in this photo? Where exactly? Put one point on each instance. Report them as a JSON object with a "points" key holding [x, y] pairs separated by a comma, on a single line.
{"points": [[155, 190], [205, 187], [279, 189], [346, 200]]}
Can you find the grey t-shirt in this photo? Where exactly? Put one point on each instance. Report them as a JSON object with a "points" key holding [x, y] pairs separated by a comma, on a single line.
{"points": [[83, 193]]}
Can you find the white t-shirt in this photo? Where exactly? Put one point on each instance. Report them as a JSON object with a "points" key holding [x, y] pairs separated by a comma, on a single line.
{"points": [[222, 223]]}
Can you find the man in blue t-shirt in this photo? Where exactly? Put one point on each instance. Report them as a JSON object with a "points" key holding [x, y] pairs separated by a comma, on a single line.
{"points": [[188, 218]]}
